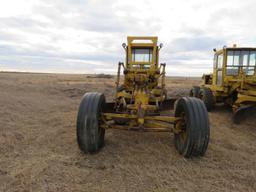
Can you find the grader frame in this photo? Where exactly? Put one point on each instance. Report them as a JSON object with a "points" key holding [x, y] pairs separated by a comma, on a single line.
{"points": [[141, 103], [232, 82]]}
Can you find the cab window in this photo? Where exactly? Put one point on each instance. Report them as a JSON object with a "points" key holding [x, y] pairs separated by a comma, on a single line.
{"points": [[220, 61], [142, 54], [215, 62], [251, 63], [241, 59]]}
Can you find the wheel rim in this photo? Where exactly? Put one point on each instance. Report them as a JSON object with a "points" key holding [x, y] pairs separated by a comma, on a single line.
{"points": [[183, 133], [101, 131]]}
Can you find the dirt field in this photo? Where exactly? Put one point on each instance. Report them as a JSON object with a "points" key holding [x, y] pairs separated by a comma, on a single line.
{"points": [[38, 149]]}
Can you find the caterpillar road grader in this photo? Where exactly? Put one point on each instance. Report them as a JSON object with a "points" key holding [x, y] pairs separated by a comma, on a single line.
{"points": [[141, 104], [232, 82]]}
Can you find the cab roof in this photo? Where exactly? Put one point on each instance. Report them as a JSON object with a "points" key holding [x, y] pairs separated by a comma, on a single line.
{"points": [[142, 41]]}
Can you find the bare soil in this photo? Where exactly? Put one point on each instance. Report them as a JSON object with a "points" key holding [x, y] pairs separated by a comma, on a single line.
{"points": [[39, 152]]}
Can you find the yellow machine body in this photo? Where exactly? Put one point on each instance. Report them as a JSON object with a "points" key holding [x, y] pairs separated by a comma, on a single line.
{"points": [[141, 103], [233, 80]]}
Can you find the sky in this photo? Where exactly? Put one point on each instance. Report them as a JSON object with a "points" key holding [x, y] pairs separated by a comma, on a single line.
{"points": [[85, 36]]}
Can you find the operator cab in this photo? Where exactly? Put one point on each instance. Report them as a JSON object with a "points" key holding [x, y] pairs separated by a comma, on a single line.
{"points": [[141, 53], [232, 62]]}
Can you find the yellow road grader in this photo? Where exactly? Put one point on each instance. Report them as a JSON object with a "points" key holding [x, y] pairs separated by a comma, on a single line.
{"points": [[232, 82], [141, 104]]}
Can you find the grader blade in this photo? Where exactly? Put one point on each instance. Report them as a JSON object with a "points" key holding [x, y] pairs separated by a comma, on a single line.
{"points": [[242, 113]]}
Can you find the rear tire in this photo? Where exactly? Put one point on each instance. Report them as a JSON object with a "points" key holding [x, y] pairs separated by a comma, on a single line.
{"points": [[207, 97], [90, 136], [194, 92], [193, 140]]}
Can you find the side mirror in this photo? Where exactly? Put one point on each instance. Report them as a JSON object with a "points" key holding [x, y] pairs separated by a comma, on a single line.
{"points": [[124, 45], [161, 45]]}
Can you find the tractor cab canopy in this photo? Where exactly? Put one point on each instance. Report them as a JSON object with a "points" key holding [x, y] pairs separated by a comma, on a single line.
{"points": [[236, 60], [142, 53]]}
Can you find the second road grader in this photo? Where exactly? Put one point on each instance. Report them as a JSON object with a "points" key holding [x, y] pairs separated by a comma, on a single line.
{"points": [[232, 82], [141, 103]]}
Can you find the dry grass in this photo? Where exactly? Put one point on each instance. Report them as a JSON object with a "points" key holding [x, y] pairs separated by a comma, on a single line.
{"points": [[39, 151]]}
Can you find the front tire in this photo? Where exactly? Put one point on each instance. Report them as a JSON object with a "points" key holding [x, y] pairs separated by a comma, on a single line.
{"points": [[193, 138], [90, 136]]}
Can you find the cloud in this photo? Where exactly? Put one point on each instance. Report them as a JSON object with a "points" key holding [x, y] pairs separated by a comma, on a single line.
{"points": [[81, 36], [198, 43]]}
